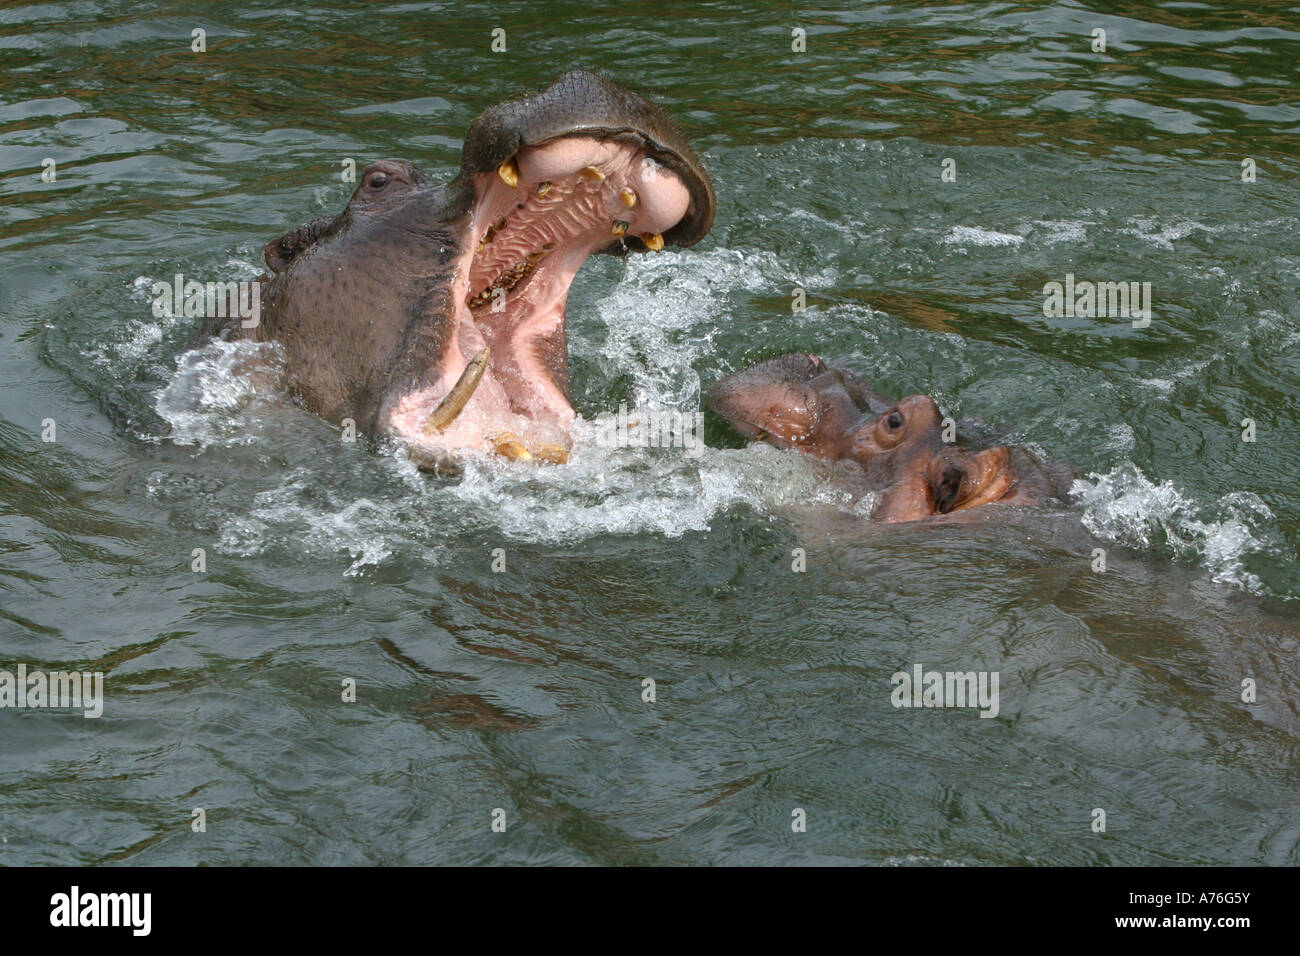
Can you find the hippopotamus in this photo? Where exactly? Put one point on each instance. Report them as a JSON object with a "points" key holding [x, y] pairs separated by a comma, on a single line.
{"points": [[896, 450], [434, 313]]}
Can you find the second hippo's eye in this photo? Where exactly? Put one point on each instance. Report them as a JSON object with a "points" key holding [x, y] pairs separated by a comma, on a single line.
{"points": [[378, 179], [895, 421]]}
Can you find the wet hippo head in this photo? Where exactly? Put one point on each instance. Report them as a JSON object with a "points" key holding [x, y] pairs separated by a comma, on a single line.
{"points": [[798, 401], [435, 313]]}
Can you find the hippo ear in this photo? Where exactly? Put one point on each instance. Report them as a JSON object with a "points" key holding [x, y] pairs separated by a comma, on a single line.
{"points": [[946, 478], [278, 253]]}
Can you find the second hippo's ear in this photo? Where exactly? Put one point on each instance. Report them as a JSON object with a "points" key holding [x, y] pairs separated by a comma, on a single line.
{"points": [[278, 253]]}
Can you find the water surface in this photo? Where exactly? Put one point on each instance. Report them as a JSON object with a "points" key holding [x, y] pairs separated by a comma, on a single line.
{"points": [[522, 690]]}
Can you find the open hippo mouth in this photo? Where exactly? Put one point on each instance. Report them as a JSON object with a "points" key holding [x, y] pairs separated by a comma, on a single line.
{"points": [[581, 168], [538, 214], [434, 314]]}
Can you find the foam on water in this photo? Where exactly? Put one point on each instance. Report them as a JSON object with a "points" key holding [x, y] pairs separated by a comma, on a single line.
{"points": [[1165, 235], [1053, 231], [601, 491], [661, 316], [976, 236], [220, 395], [133, 343], [1127, 508], [630, 490], [212, 397], [657, 324]]}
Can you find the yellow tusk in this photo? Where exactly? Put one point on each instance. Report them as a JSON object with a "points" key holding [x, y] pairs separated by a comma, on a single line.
{"points": [[455, 400], [509, 173]]}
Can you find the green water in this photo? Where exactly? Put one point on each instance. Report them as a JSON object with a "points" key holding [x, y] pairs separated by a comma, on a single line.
{"points": [[522, 690]]}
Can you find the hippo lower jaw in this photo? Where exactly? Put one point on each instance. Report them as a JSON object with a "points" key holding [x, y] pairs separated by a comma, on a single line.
{"points": [[534, 222]]}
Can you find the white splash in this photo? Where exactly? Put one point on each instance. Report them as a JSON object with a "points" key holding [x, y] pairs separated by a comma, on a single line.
{"points": [[1054, 231], [207, 400], [1126, 507], [975, 236], [653, 316]]}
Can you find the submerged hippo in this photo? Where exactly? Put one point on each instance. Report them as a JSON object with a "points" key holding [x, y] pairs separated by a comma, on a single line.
{"points": [[434, 314], [897, 449]]}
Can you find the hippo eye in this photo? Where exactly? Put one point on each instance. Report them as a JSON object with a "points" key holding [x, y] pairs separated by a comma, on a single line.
{"points": [[895, 421], [378, 179]]}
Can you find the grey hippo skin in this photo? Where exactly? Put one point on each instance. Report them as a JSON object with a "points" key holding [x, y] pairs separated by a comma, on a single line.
{"points": [[434, 313], [893, 449]]}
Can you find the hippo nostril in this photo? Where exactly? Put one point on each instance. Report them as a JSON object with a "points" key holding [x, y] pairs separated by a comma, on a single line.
{"points": [[947, 489]]}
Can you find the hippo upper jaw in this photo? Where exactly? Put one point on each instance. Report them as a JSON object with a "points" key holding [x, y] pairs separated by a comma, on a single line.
{"points": [[796, 401]]}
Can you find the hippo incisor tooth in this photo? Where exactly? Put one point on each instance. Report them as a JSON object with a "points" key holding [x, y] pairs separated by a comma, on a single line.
{"points": [[555, 454], [509, 173], [543, 188], [619, 228], [511, 447], [591, 172], [455, 400], [653, 241], [627, 197]]}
